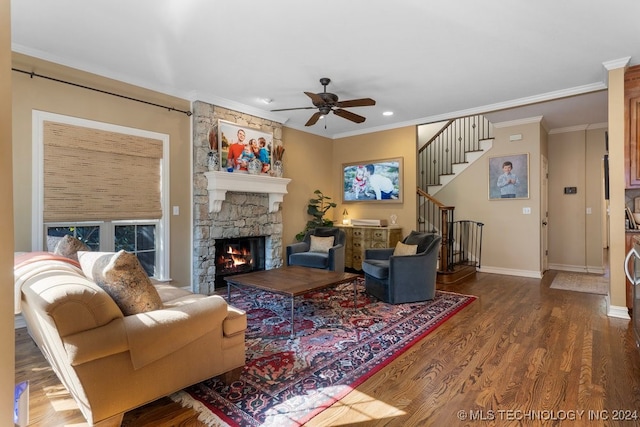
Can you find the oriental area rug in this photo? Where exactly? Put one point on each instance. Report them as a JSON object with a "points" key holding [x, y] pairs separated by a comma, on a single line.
{"points": [[286, 382], [581, 282]]}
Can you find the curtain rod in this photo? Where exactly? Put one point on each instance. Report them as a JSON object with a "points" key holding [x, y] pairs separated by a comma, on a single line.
{"points": [[32, 74]]}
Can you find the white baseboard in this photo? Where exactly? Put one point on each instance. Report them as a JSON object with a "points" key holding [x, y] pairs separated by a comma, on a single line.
{"points": [[18, 322], [577, 268], [618, 312], [511, 272]]}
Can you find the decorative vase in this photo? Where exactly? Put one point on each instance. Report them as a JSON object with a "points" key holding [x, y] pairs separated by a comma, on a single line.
{"points": [[254, 167], [213, 163], [277, 168]]}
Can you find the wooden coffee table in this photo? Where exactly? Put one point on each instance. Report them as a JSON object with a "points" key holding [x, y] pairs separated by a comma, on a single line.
{"points": [[291, 281]]}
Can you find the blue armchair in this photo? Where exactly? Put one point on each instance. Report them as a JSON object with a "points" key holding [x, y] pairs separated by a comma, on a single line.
{"points": [[398, 279], [331, 257]]}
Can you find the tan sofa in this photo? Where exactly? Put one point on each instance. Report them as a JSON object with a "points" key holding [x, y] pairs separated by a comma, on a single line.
{"points": [[112, 363]]}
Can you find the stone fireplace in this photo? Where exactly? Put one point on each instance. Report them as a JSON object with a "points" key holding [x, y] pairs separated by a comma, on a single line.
{"points": [[231, 205], [238, 255]]}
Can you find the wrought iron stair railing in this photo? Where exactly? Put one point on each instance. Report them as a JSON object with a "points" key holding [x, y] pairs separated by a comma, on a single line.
{"points": [[450, 146], [461, 245]]}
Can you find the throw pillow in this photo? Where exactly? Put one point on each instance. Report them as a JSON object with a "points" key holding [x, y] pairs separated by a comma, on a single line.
{"points": [[321, 244], [123, 278], [69, 247], [52, 242], [402, 249]]}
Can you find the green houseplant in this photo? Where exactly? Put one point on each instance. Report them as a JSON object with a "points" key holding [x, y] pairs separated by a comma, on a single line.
{"points": [[317, 208]]}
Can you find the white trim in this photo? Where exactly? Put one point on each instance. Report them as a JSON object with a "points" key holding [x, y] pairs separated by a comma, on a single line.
{"points": [[19, 322], [618, 312], [549, 96], [590, 269], [192, 216], [218, 183], [579, 128], [519, 122], [37, 200], [511, 272]]}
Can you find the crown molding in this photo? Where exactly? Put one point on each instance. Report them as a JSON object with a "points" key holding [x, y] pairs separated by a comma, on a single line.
{"points": [[525, 121], [237, 106], [613, 65], [579, 128], [616, 63]]}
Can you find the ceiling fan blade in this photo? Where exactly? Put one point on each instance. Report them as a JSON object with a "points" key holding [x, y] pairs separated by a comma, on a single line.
{"points": [[362, 102], [315, 98], [312, 121], [298, 108], [349, 115]]}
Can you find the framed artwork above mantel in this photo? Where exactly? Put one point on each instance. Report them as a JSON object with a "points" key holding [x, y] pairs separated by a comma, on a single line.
{"points": [[238, 145]]}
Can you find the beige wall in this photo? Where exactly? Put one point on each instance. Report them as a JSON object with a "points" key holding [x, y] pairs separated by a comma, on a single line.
{"points": [[7, 338], [314, 162], [375, 146], [506, 228], [575, 237], [40, 94], [617, 185], [307, 161]]}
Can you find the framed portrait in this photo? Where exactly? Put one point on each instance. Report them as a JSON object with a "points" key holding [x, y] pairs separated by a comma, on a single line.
{"points": [[377, 181], [237, 145], [509, 177]]}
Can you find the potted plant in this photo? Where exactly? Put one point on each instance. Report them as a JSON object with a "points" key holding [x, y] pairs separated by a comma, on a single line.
{"points": [[317, 208]]}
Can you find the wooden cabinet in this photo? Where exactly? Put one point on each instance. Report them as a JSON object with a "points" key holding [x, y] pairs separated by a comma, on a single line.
{"points": [[361, 238], [631, 124]]}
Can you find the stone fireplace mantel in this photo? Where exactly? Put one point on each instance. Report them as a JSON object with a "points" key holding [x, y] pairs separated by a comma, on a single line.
{"points": [[218, 183]]}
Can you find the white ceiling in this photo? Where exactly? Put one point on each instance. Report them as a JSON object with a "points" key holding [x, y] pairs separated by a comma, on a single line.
{"points": [[424, 60]]}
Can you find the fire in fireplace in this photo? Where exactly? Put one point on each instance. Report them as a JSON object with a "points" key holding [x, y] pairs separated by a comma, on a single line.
{"points": [[238, 255]]}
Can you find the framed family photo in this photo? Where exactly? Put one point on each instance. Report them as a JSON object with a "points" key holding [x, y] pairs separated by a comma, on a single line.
{"points": [[509, 177], [238, 145], [378, 181]]}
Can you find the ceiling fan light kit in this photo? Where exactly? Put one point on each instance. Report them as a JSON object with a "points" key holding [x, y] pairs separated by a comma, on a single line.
{"points": [[326, 102]]}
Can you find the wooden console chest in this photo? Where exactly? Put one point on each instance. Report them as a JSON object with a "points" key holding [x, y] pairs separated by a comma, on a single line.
{"points": [[361, 238]]}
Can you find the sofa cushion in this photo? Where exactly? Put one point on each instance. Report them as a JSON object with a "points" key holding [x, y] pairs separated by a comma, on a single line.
{"points": [[378, 268], [321, 244], [402, 249], [123, 278], [69, 247], [310, 259]]}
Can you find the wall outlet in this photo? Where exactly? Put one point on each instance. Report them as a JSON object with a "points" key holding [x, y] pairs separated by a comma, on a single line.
{"points": [[176, 210], [526, 211]]}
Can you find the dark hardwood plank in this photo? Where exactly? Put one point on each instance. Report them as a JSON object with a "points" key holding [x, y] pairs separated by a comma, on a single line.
{"points": [[520, 347]]}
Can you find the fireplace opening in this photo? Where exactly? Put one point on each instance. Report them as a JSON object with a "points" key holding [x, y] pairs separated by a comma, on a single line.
{"points": [[238, 255]]}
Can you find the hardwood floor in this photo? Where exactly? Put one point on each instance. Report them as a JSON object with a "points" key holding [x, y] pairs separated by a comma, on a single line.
{"points": [[522, 354]]}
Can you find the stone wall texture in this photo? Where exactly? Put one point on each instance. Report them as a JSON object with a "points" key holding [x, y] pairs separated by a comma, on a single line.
{"points": [[242, 214]]}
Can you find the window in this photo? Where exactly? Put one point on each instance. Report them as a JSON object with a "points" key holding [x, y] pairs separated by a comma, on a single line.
{"points": [[138, 238], [105, 184]]}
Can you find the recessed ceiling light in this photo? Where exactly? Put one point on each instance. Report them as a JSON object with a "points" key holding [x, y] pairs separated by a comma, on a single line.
{"points": [[388, 113]]}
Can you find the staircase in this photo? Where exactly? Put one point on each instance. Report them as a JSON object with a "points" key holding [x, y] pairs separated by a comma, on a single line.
{"points": [[444, 156]]}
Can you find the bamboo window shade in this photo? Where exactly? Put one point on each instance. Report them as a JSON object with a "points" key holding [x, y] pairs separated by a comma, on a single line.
{"points": [[92, 174]]}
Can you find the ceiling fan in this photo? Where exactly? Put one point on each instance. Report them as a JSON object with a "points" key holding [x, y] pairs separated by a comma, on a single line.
{"points": [[326, 102]]}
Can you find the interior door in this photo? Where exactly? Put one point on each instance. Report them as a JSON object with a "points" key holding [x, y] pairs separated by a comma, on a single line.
{"points": [[544, 215]]}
